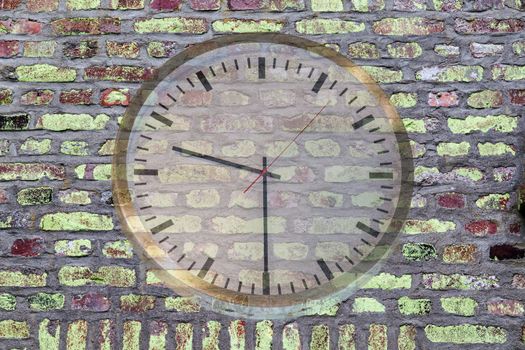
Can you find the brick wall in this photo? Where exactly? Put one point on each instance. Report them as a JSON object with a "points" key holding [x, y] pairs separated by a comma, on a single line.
{"points": [[456, 72]]}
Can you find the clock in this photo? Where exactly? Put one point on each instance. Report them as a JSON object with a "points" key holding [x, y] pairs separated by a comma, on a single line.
{"points": [[266, 174]]}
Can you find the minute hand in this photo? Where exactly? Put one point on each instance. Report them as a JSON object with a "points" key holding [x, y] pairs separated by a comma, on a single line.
{"points": [[223, 161]]}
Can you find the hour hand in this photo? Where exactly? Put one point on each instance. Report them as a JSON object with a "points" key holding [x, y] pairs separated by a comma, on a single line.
{"points": [[223, 161]]}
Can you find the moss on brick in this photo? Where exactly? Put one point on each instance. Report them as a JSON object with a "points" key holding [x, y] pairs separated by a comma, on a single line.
{"points": [[7, 302], [231, 25], [171, 25], [36, 147], [67, 121], [387, 281], [35, 196], [466, 334], [404, 99], [11, 329], [328, 26], [418, 307], [76, 221], [74, 248], [365, 304], [45, 73], [75, 148], [46, 301], [49, 334], [182, 304], [463, 306], [22, 279], [419, 251], [115, 276]]}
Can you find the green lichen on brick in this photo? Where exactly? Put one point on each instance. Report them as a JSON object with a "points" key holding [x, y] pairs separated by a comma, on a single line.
{"points": [[404, 99], [171, 25], [458, 281], [387, 281], [508, 72], [407, 337], [407, 26], [363, 50], [36, 147], [485, 99], [404, 50], [463, 306], [40, 48], [328, 26], [75, 5], [7, 302], [327, 5], [518, 47], [495, 201], [237, 333], [500, 123], [184, 336], [418, 307], [11, 329], [116, 276], [453, 149], [67, 121], [263, 335], [419, 251], [489, 149], [368, 5], [291, 339], [137, 303], [75, 148], [73, 248], [383, 75], [107, 148], [46, 301], [6, 96], [21, 279], [320, 337], [182, 304], [118, 249], [75, 197], [77, 332], [76, 221], [45, 73], [378, 337], [98, 172], [127, 5], [446, 50], [416, 126], [448, 5], [131, 335], [231, 25], [158, 331], [210, 340], [469, 173], [413, 227], [49, 334], [451, 74], [365, 304], [466, 334], [347, 337], [35, 196]]}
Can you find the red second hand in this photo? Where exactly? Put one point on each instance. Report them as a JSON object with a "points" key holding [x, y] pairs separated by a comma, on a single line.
{"points": [[265, 170]]}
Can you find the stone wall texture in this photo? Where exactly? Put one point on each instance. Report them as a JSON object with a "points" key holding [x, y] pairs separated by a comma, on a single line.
{"points": [[455, 69]]}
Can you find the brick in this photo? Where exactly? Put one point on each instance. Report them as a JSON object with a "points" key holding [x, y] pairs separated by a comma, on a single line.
{"points": [[499, 123], [232, 25], [506, 252], [114, 276], [418, 307], [171, 5], [158, 331], [7, 302], [184, 336], [91, 301], [503, 173], [463, 306], [159, 49], [368, 5], [485, 99], [404, 50], [443, 99], [42, 5], [28, 247], [46, 301], [115, 97], [447, 51], [320, 337], [21, 278], [245, 4], [107, 339], [448, 5], [171, 25], [45, 73], [80, 49], [66, 121], [182, 304], [76, 221], [407, 337], [413, 226], [419, 251], [211, 5], [73, 248], [466, 334], [453, 149], [122, 49], [328, 26], [378, 337], [365, 304], [388, 281], [11, 329], [39, 48], [505, 307], [494, 201], [450, 74], [86, 26], [488, 25], [489, 149], [363, 50], [35, 147], [485, 50], [9, 4], [6, 96], [15, 121], [410, 5], [291, 339], [49, 334], [9, 48], [451, 200], [74, 148], [407, 26], [126, 4], [118, 249], [77, 333], [404, 99], [518, 47], [482, 227], [74, 5], [76, 97], [237, 333], [137, 303], [37, 97], [508, 72], [383, 75], [31, 171], [460, 282], [263, 335], [517, 97], [20, 26], [460, 254], [119, 73]]}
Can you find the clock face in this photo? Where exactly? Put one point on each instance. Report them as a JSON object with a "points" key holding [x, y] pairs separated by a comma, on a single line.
{"points": [[266, 174]]}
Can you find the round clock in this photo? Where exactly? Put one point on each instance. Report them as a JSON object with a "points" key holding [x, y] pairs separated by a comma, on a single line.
{"points": [[266, 174]]}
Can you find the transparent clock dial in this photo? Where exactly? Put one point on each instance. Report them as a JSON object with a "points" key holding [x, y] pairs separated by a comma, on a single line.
{"points": [[318, 217]]}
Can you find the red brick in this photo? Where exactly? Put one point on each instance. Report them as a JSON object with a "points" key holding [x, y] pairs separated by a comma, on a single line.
{"points": [[517, 97], [169, 5], [505, 307], [9, 48], [506, 252], [42, 5], [489, 25], [119, 73], [28, 247], [91, 301], [9, 4], [37, 97], [114, 97], [205, 5], [20, 26], [482, 227], [443, 99], [76, 97], [82, 49], [91, 26], [451, 200], [245, 4]]}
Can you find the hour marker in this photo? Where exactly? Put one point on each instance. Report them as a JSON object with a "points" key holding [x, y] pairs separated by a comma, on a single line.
{"points": [[349, 260], [299, 68], [161, 118], [326, 270], [253, 288], [204, 81], [274, 63], [262, 68], [142, 195], [224, 67], [311, 72], [190, 82], [317, 280], [191, 266], [343, 92], [319, 83], [249, 62], [352, 100], [150, 126], [181, 257], [377, 175], [339, 267], [360, 123], [172, 98], [379, 141], [205, 268], [143, 148], [374, 129], [239, 286], [383, 152], [286, 65], [279, 288], [212, 71], [149, 172], [387, 187], [367, 229], [236, 64], [146, 137], [161, 227], [140, 183], [385, 163], [382, 210], [180, 89], [266, 283], [227, 282], [151, 218], [163, 106], [358, 251], [172, 249], [386, 199], [214, 278], [292, 287], [164, 239], [365, 241], [304, 284], [140, 160], [361, 109], [333, 84]]}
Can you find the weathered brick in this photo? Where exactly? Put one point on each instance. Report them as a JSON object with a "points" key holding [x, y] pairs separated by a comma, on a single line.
{"points": [[35, 196], [37, 97], [407, 26], [466, 334], [499, 123], [407, 337], [28, 247], [171, 25], [126, 4], [485, 99], [159, 49], [418, 307], [482, 227], [384, 75], [508, 72], [39, 48], [114, 276], [137, 303], [9, 4], [450, 74], [448, 5], [460, 282], [31, 171], [77, 247], [86, 26], [42, 5], [15, 121], [21, 278], [453, 149], [9, 48], [517, 97], [45, 73], [7, 302], [327, 5], [505, 307], [119, 73], [463, 306], [76, 221], [320, 337], [77, 333], [46, 301], [66, 121], [363, 50], [494, 201], [158, 331], [419, 251], [489, 149], [11, 329], [479, 50], [118, 249], [74, 5], [211, 5], [365, 304], [443, 99], [76, 97], [20, 26], [404, 50], [184, 336], [447, 51], [170, 5], [328, 26], [122, 49], [80, 49], [378, 337], [232, 25], [506, 252], [368, 5], [387, 281], [74, 148], [410, 5], [98, 172], [237, 333], [488, 25], [115, 97], [413, 226], [460, 254], [91, 301]]}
